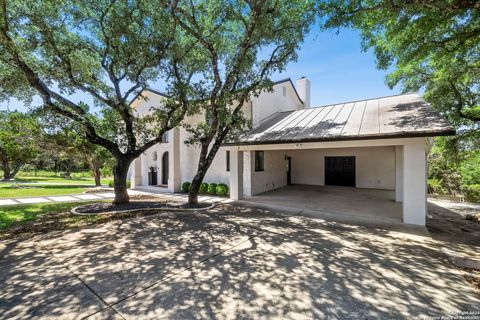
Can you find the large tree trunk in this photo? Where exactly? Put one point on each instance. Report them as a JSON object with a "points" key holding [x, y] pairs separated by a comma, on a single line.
{"points": [[206, 159], [9, 172], [195, 186], [6, 170], [97, 176], [95, 167], [120, 171]]}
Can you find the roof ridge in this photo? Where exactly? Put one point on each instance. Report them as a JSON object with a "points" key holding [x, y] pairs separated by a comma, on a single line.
{"points": [[361, 100]]}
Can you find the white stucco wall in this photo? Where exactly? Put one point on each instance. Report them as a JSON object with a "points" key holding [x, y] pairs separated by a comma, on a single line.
{"points": [[269, 103], [259, 108], [374, 166], [274, 176], [147, 161]]}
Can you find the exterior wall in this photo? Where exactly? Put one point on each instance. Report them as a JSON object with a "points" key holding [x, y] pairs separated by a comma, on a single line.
{"points": [[259, 108], [150, 100], [374, 166], [274, 176], [269, 103], [147, 161]]}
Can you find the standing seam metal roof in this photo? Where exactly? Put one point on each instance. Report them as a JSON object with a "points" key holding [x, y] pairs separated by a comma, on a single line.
{"points": [[406, 115]]}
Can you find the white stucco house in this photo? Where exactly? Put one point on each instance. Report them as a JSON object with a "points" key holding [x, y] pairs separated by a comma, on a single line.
{"points": [[374, 144]]}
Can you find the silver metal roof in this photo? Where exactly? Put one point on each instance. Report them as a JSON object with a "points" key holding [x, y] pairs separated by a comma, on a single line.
{"points": [[405, 115]]}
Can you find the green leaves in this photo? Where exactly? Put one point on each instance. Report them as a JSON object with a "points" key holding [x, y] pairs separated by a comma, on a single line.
{"points": [[19, 134], [430, 45]]}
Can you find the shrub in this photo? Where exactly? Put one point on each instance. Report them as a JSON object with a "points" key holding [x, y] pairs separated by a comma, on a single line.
{"points": [[222, 189], [471, 192], [186, 186], [110, 184], [203, 187], [212, 188], [435, 186]]}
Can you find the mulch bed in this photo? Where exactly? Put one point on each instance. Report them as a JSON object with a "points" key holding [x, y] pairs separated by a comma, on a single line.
{"points": [[97, 208]]}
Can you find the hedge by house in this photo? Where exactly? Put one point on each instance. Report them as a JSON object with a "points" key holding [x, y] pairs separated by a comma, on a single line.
{"points": [[129, 184], [203, 187], [212, 188], [186, 186], [220, 189]]}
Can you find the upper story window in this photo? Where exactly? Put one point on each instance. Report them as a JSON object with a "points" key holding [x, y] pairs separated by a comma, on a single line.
{"points": [[284, 91], [228, 160], [154, 156], [165, 137], [259, 161]]}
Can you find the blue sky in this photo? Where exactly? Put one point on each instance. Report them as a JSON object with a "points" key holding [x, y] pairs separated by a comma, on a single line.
{"points": [[337, 68]]}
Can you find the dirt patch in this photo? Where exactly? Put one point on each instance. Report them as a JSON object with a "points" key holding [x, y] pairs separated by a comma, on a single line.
{"points": [[451, 225], [473, 278], [101, 208], [99, 190]]}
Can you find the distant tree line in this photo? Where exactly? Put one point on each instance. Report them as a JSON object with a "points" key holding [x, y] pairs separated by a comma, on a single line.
{"points": [[47, 143]]}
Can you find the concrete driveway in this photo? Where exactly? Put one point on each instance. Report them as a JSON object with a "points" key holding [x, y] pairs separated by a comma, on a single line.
{"points": [[228, 264], [357, 202]]}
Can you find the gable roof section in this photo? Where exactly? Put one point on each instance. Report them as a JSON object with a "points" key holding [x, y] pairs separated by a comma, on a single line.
{"points": [[166, 96], [137, 96], [288, 80], [406, 115]]}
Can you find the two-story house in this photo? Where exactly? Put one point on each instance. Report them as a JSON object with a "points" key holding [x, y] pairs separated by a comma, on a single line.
{"points": [[373, 144]]}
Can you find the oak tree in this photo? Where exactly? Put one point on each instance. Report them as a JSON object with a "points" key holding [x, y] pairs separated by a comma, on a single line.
{"points": [[83, 57], [19, 134], [240, 44]]}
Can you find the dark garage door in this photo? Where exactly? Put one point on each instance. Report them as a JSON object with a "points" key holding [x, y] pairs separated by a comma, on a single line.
{"points": [[340, 171]]}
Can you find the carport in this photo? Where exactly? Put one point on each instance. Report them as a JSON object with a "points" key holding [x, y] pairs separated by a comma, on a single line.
{"points": [[373, 203], [363, 157]]}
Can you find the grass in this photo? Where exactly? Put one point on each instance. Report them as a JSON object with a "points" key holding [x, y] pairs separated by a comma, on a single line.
{"points": [[27, 220], [52, 177], [13, 191], [19, 214], [46, 183]]}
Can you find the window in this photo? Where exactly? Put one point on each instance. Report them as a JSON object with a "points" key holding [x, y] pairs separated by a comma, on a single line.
{"points": [[228, 160], [165, 137], [259, 160], [154, 156], [284, 91]]}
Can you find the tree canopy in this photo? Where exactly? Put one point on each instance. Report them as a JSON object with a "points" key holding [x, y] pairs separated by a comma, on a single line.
{"points": [[19, 135], [239, 45], [427, 44], [107, 50]]}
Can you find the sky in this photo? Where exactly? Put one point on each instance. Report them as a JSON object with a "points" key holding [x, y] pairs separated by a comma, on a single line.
{"points": [[337, 68]]}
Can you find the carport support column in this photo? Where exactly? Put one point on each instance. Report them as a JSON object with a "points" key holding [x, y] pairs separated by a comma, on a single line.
{"points": [[174, 182], [136, 179], [398, 173], [236, 174], [414, 183]]}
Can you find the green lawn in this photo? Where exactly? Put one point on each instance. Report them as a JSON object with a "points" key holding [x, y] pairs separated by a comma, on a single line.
{"points": [[52, 177], [59, 180], [29, 212], [27, 220], [46, 183], [9, 190]]}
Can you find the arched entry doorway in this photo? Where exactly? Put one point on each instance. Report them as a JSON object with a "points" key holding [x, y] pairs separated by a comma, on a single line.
{"points": [[165, 168]]}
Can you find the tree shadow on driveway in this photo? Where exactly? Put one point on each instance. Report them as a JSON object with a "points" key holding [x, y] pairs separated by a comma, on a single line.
{"points": [[248, 263]]}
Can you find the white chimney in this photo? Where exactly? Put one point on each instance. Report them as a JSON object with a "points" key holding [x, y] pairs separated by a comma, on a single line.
{"points": [[303, 89]]}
